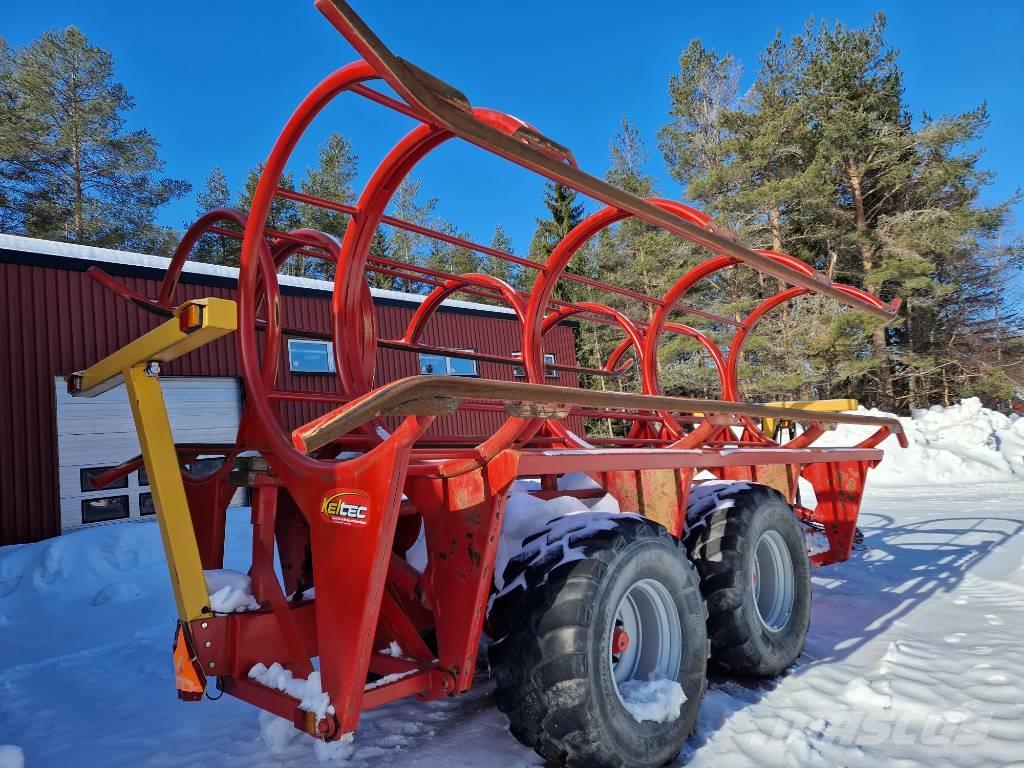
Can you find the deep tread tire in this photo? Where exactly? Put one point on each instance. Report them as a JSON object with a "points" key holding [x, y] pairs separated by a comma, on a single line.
{"points": [[721, 546], [550, 656]]}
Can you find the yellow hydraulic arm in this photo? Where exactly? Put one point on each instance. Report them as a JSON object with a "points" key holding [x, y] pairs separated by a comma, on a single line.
{"points": [[137, 364], [836, 405]]}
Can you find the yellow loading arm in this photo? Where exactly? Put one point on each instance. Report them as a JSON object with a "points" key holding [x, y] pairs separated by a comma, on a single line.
{"points": [[770, 425], [137, 364]]}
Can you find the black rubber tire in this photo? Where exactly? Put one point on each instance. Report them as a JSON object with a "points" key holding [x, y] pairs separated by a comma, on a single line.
{"points": [[550, 655], [721, 546]]}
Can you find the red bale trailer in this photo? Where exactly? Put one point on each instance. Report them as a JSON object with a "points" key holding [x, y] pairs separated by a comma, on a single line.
{"points": [[595, 606]]}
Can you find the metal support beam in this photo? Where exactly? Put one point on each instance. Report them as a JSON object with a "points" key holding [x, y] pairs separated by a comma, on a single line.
{"points": [[136, 365], [195, 323], [161, 458]]}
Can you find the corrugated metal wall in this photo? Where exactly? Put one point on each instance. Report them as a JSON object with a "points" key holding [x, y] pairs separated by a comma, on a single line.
{"points": [[56, 320]]}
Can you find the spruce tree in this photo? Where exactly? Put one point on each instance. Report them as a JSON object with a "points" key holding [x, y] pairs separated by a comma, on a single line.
{"points": [[408, 247], [216, 249], [450, 258], [283, 216], [824, 161], [500, 268], [380, 247], [77, 173], [331, 179], [564, 213]]}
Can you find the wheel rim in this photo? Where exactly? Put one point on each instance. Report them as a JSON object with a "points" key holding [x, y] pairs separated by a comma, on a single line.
{"points": [[773, 581], [648, 615]]}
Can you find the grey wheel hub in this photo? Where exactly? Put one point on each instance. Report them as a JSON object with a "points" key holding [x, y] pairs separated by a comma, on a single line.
{"points": [[646, 641], [774, 583]]}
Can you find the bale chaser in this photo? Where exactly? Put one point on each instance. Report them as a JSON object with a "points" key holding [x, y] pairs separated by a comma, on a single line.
{"points": [[595, 606]]}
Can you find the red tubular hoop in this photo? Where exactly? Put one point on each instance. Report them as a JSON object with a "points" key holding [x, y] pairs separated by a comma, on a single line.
{"points": [[752, 321], [514, 428], [556, 264], [634, 339], [283, 452], [350, 309]]}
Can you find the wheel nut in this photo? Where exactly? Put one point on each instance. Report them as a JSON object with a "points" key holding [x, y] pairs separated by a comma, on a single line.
{"points": [[620, 640]]}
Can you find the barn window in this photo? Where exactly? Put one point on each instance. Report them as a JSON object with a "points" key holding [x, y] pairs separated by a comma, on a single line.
{"points": [[442, 365], [310, 356], [86, 474], [105, 508], [146, 504], [520, 373]]}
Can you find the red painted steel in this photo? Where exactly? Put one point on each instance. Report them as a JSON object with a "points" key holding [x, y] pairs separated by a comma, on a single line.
{"points": [[339, 520]]}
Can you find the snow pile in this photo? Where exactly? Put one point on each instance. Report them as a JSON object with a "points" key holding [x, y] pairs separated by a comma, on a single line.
{"points": [[230, 591], [309, 693], [708, 497], [11, 756], [526, 516], [816, 541], [533, 527], [657, 700], [962, 443]]}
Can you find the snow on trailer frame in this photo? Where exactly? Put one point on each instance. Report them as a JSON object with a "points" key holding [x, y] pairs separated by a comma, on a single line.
{"points": [[343, 525]]}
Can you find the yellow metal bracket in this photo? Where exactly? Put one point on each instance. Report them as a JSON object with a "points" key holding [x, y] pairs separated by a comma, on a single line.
{"points": [[836, 405], [136, 364]]}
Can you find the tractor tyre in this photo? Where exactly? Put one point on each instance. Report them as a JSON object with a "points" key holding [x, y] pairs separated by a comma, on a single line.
{"points": [[755, 576], [591, 612]]}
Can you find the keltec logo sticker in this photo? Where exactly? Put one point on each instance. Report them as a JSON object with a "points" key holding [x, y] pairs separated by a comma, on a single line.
{"points": [[346, 507]]}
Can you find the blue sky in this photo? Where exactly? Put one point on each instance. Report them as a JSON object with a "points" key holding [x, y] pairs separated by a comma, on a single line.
{"points": [[214, 81]]}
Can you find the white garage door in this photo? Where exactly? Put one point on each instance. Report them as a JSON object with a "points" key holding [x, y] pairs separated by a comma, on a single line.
{"points": [[94, 434]]}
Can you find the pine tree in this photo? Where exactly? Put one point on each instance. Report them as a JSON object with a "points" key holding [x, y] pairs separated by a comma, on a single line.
{"points": [[15, 154], [283, 216], [500, 268], [564, 213], [706, 86], [823, 160], [408, 247], [331, 179], [380, 247], [216, 249], [78, 174]]}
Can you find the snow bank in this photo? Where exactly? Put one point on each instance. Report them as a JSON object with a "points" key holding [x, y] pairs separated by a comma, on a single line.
{"points": [[657, 700], [963, 443], [11, 756]]}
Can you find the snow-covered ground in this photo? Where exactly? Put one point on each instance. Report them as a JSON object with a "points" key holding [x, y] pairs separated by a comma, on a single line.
{"points": [[914, 654]]}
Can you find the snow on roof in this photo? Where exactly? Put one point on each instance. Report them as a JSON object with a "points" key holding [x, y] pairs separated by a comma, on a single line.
{"points": [[129, 258]]}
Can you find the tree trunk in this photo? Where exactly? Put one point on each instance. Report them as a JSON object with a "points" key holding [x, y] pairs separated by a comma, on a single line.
{"points": [[77, 182], [879, 338], [775, 222]]}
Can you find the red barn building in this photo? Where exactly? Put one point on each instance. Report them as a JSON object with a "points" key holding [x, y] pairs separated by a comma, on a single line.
{"points": [[56, 320]]}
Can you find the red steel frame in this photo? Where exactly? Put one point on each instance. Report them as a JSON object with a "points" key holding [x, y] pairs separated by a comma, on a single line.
{"points": [[367, 595]]}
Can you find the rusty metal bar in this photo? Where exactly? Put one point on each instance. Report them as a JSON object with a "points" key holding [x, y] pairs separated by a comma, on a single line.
{"points": [[422, 394]]}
